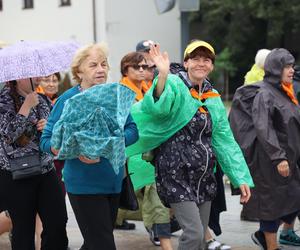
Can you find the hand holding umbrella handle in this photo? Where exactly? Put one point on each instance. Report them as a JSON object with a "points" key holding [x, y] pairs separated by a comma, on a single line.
{"points": [[31, 100]]}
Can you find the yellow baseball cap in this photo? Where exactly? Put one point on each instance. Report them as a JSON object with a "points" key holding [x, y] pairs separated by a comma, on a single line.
{"points": [[196, 44]]}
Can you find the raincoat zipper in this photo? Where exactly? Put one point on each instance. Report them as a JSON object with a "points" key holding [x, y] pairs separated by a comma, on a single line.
{"points": [[201, 144]]}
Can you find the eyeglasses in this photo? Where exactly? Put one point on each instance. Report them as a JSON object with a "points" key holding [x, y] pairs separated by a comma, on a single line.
{"points": [[137, 67], [152, 68]]}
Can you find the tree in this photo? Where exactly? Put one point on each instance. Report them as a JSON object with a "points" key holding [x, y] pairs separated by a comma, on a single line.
{"points": [[246, 26], [223, 70]]}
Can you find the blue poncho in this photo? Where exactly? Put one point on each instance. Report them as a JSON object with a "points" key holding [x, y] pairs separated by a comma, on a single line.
{"points": [[92, 124]]}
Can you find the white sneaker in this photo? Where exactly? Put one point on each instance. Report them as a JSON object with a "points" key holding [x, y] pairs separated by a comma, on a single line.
{"points": [[216, 245]]}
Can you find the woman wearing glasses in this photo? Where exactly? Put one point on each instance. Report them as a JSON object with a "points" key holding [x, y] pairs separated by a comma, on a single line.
{"points": [[136, 74], [133, 70]]}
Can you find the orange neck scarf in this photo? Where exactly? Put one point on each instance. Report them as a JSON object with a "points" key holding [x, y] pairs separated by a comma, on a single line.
{"points": [[53, 98], [139, 92], [289, 90], [203, 96]]}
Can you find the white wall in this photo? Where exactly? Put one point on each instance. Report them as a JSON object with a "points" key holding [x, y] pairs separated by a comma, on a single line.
{"points": [[46, 21], [121, 23], [126, 27]]}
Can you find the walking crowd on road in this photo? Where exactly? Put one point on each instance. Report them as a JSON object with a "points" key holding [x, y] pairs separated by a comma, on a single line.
{"points": [[151, 146]]}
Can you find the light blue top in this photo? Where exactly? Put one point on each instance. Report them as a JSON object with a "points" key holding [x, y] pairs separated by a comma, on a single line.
{"points": [[81, 178]]}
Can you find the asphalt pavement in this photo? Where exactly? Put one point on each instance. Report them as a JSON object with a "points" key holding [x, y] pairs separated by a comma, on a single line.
{"points": [[236, 233]]}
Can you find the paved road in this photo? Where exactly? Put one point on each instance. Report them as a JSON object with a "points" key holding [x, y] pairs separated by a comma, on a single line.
{"points": [[235, 232]]}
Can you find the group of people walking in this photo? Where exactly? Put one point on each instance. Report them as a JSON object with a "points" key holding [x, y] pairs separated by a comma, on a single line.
{"points": [[172, 125]]}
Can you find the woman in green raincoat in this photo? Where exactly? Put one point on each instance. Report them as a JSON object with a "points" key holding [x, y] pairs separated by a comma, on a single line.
{"points": [[187, 126]]}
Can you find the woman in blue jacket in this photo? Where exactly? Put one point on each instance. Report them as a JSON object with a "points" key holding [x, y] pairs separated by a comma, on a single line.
{"points": [[93, 186]]}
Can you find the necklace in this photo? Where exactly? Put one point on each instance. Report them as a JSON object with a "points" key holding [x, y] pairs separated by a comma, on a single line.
{"points": [[80, 88]]}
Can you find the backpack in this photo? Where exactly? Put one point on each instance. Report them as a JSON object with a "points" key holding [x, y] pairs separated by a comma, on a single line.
{"points": [[240, 119]]}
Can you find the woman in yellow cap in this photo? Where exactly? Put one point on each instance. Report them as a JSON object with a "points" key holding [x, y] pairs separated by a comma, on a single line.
{"points": [[185, 121]]}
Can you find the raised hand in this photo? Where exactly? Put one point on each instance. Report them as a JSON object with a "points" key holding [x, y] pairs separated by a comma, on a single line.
{"points": [[31, 100], [161, 60], [162, 63]]}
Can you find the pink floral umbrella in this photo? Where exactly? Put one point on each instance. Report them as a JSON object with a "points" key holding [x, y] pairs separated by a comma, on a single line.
{"points": [[27, 59]]}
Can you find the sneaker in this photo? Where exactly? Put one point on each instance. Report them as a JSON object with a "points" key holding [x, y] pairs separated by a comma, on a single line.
{"points": [[291, 238], [125, 226], [153, 238], [259, 239], [216, 245]]}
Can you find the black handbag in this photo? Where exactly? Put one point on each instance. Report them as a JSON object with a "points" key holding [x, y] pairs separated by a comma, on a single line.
{"points": [[26, 166], [128, 198]]}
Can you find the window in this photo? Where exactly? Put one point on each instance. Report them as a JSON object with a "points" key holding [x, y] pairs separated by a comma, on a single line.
{"points": [[28, 4], [1, 6], [65, 2]]}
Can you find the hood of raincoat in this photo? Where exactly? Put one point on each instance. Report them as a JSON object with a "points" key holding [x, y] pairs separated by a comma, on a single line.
{"points": [[274, 64]]}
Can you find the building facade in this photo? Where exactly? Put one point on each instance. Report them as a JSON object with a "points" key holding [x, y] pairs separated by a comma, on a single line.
{"points": [[119, 23]]}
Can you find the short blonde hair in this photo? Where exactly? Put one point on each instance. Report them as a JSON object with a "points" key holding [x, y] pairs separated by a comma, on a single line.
{"points": [[81, 55]]}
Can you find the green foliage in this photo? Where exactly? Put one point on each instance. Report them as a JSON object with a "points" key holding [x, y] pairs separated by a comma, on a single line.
{"points": [[237, 29], [223, 65]]}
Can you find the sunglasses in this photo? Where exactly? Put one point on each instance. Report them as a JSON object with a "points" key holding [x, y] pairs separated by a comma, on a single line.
{"points": [[137, 67], [151, 68]]}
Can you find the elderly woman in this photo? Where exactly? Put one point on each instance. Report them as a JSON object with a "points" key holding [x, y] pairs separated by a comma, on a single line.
{"points": [[49, 86], [92, 184], [187, 124], [23, 115], [272, 149]]}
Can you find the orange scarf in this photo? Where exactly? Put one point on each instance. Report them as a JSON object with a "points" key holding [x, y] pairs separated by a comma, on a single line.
{"points": [[205, 95], [289, 90], [40, 90], [139, 92]]}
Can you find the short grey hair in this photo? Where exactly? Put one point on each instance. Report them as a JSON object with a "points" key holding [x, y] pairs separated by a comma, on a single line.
{"points": [[261, 57]]}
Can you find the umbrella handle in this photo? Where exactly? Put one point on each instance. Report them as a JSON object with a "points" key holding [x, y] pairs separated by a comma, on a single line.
{"points": [[31, 84]]}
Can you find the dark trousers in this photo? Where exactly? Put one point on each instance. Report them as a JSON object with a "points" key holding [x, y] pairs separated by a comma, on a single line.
{"points": [[96, 216], [59, 166], [272, 226], [25, 198]]}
